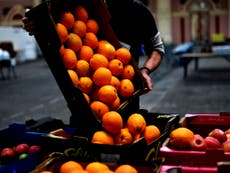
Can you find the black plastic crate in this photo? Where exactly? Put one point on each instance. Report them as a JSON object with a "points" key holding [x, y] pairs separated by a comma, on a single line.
{"points": [[81, 148]]}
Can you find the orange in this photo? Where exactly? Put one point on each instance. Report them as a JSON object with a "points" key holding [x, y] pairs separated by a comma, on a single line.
{"points": [[123, 54], [69, 166], [61, 50], [151, 133], [115, 105], [92, 26], [99, 108], [46, 172], [102, 76], [106, 49], [112, 122], [62, 32], [87, 98], [82, 68], [107, 171], [74, 42], [125, 168], [79, 28], [102, 137], [136, 123], [74, 77], [107, 94], [85, 53], [181, 137], [85, 84], [79, 171], [124, 137], [116, 67], [69, 58], [96, 167], [67, 19], [115, 82], [126, 88], [97, 61], [80, 13], [128, 72], [90, 40]]}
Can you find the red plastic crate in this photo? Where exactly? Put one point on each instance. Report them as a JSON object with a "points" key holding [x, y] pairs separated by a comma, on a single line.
{"points": [[204, 123], [201, 124], [221, 167], [186, 169]]}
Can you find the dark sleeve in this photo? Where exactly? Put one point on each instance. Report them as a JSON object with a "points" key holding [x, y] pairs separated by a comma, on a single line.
{"points": [[151, 36]]}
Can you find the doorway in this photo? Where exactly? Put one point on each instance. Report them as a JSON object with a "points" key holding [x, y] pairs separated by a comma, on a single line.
{"points": [[199, 20]]}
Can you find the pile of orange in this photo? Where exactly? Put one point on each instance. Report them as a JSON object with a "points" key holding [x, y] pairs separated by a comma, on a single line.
{"points": [[104, 74], [117, 132], [72, 166]]}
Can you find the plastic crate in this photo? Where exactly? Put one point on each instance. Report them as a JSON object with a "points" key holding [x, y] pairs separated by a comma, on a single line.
{"points": [[16, 134], [43, 17], [54, 161], [221, 167], [81, 147], [186, 169], [204, 123], [201, 124]]}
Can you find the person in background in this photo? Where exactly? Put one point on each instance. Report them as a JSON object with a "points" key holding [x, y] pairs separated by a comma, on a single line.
{"points": [[4, 55], [134, 25]]}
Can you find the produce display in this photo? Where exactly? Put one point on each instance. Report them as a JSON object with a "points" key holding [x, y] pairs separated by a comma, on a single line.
{"points": [[201, 142], [72, 166], [184, 139], [20, 151], [116, 131], [103, 73]]}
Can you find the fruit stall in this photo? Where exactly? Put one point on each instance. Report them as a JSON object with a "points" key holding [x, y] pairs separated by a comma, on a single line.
{"points": [[99, 81]]}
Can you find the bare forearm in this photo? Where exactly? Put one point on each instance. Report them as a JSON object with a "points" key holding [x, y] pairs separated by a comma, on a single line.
{"points": [[153, 61]]}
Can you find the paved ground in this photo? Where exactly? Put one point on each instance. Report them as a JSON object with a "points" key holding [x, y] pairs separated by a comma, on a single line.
{"points": [[35, 93]]}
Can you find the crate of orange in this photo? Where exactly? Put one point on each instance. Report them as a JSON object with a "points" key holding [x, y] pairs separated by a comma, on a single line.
{"points": [[93, 71], [135, 140], [59, 163], [201, 141]]}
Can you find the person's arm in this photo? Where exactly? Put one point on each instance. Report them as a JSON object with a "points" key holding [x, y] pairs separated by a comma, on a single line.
{"points": [[149, 66], [155, 51], [153, 46]]}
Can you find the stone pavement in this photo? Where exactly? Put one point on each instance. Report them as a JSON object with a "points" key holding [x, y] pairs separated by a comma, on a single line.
{"points": [[35, 93], [203, 91]]}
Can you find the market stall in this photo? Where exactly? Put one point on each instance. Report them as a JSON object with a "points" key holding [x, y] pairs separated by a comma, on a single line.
{"points": [[123, 137]]}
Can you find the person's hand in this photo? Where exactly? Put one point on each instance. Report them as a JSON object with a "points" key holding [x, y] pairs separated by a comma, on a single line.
{"points": [[148, 80], [28, 24]]}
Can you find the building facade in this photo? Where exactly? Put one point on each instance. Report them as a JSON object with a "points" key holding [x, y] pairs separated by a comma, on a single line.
{"points": [[178, 21], [181, 21]]}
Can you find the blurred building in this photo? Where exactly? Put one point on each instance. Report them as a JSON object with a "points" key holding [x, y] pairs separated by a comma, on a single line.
{"points": [[178, 21], [11, 28]]}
